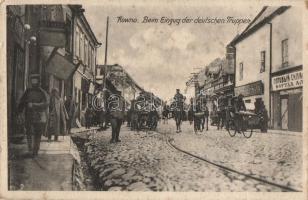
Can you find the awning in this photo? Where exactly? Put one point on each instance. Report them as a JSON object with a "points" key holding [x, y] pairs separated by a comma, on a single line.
{"points": [[60, 67]]}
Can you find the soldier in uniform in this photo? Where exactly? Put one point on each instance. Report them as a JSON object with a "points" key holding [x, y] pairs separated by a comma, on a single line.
{"points": [[35, 102], [116, 108], [179, 107]]}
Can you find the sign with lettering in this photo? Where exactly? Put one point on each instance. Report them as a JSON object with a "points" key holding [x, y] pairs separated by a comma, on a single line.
{"points": [[255, 88], [287, 81]]}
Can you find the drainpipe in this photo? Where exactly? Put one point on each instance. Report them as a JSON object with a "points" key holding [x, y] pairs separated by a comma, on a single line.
{"points": [[270, 75], [234, 81], [72, 81]]}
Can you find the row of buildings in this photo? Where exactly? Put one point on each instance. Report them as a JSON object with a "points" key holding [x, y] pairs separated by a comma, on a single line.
{"points": [[263, 63], [57, 42]]}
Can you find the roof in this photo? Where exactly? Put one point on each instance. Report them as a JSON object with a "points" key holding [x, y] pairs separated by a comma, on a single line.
{"points": [[265, 15], [215, 66], [117, 68], [79, 10]]}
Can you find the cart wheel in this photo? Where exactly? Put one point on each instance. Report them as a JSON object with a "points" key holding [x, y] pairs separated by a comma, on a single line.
{"points": [[247, 133], [231, 128]]}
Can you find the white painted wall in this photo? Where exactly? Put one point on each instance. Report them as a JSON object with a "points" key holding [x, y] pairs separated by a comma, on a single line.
{"points": [[248, 51], [287, 25]]}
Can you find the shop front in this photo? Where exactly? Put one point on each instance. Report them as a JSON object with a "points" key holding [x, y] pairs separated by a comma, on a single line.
{"points": [[252, 93], [287, 100]]}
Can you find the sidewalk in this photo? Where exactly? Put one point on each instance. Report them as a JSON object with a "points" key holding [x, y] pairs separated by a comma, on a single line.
{"points": [[50, 170]]}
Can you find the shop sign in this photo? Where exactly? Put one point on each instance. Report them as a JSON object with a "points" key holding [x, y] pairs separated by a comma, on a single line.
{"points": [[251, 89], [60, 67], [287, 81], [52, 34]]}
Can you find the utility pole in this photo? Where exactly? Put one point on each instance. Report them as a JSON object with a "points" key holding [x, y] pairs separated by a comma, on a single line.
{"points": [[106, 53]]}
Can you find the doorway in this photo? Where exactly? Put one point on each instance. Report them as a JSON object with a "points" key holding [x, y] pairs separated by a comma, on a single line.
{"points": [[284, 101]]}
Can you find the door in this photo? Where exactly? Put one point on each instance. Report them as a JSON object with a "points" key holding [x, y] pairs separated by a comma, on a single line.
{"points": [[284, 115], [295, 112]]}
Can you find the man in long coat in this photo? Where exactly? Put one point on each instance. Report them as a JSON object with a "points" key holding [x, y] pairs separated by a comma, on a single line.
{"points": [[116, 108], [35, 102], [57, 116]]}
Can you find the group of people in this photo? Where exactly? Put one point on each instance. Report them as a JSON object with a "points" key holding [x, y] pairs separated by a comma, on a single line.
{"points": [[45, 114], [197, 113], [221, 114], [143, 113]]}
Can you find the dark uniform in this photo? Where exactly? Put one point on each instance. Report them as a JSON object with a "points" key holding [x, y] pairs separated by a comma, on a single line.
{"points": [[116, 107], [35, 102], [179, 107]]}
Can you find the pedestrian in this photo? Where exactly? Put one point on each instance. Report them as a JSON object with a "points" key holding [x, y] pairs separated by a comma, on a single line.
{"points": [[116, 107], [239, 106], [70, 107], [35, 102], [191, 111], [263, 114], [205, 118], [179, 107], [165, 113], [89, 115], [57, 116]]}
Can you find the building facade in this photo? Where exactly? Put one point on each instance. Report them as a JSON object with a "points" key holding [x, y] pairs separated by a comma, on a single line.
{"points": [[219, 82], [287, 71], [269, 65], [84, 48], [17, 61], [41, 40]]}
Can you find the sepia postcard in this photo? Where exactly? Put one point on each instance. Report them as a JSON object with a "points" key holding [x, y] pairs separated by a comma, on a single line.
{"points": [[159, 99]]}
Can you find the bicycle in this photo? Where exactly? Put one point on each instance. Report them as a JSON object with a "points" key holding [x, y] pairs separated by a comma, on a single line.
{"points": [[242, 122]]}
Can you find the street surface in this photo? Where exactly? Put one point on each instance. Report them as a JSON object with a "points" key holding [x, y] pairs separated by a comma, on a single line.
{"points": [[145, 162]]}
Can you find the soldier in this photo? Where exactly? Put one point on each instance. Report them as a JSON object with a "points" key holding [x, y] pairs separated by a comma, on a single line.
{"points": [[179, 104], [70, 107], [239, 106], [191, 111], [35, 102], [116, 107]]}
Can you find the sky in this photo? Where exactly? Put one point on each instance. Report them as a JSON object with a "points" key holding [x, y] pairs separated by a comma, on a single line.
{"points": [[161, 57]]}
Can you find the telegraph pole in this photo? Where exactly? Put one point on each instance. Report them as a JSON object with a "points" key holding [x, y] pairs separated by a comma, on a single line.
{"points": [[106, 53]]}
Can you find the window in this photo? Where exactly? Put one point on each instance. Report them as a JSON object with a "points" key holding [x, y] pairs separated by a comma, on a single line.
{"points": [[86, 51], [68, 34], [90, 57], [241, 71], [284, 48], [93, 58], [262, 69], [77, 40], [81, 47]]}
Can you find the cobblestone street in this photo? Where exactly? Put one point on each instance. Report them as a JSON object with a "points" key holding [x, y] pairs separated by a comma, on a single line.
{"points": [[144, 161], [274, 156]]}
